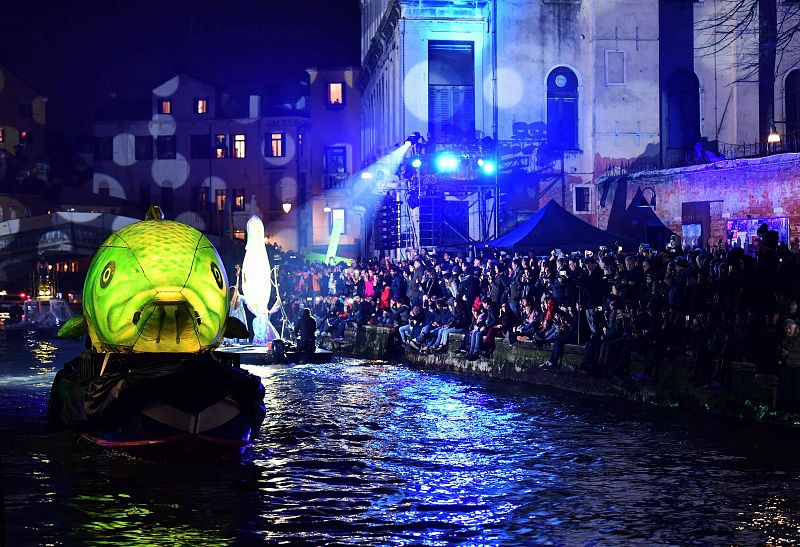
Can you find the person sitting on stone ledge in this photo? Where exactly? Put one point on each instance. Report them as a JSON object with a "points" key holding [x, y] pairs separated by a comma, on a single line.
{"points": [[412, 329], [567, 329], [458, 324]]}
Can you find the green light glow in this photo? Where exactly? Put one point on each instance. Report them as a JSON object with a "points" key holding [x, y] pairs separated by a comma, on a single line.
{"points": [[337, 227]]}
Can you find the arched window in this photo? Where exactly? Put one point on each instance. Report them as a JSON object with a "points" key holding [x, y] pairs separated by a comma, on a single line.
{"points": [[683, 110], [562, 109], [792, 94]]}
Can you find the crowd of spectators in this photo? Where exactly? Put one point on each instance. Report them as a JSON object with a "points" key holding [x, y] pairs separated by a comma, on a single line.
{"points": [[717, 304]]}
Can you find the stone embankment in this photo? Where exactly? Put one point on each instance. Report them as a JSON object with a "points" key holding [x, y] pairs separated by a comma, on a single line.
{"points": [[747, 395]]}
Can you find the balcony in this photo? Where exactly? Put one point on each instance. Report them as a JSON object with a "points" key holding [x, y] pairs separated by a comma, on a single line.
{"points": [[335, 181]]}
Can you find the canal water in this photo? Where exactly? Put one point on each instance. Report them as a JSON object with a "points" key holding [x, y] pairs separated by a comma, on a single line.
{"points": [[369, 453]]}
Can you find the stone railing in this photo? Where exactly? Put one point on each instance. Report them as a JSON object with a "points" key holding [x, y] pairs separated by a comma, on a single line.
{"points": [[747, 394]]}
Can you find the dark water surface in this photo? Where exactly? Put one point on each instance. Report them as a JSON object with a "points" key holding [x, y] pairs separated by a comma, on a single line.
{"points": [[378, 454]]}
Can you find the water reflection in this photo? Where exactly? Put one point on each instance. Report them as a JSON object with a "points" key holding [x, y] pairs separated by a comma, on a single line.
{"points": [[43, 351], [376, 454], [119, 519]]}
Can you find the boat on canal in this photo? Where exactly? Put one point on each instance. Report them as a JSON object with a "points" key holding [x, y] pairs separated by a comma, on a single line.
{"points": [[281, 353], [170, 404], [155, 307], [45, 309]]}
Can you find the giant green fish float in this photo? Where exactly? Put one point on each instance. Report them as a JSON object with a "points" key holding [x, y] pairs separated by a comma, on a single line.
{"points": [[155, 307], [156, 286]]}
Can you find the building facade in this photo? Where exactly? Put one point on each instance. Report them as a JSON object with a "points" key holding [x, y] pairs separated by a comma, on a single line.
{"points": [[212, 158], [334, 106], [565, 94], [23, 119]]}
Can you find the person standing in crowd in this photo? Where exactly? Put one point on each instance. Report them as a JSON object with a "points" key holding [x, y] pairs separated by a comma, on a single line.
{"points": [[304, 331]]}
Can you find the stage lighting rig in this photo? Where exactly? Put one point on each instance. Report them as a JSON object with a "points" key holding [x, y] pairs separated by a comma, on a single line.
{"points": [[414, 138], [487, 166]]}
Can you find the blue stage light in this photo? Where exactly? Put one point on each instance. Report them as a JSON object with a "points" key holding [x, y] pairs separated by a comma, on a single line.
{"points": [[487, 167], [416, 163], [446, 162]]}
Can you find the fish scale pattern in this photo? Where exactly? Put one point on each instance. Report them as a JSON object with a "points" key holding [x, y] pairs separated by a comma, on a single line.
{"points": [[149, 239]]}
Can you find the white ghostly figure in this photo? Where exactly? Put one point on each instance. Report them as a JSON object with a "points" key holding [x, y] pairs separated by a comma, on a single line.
{"points": [[256, 285]]}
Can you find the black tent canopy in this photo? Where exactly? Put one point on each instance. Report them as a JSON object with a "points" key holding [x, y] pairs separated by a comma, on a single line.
{"points": [[552, 227]]}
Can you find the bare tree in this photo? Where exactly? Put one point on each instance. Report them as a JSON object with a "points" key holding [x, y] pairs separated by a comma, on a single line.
{"points": [[762, 33]]}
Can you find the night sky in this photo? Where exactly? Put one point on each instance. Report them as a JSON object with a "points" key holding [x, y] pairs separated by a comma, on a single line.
{"points": [[79, 52]]}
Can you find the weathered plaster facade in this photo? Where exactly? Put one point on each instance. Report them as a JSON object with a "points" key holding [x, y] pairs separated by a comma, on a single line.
{"points": [[647, 89]]}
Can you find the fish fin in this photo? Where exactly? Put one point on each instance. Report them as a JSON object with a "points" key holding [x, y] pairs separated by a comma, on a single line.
{"points": [[234, 328], [154, 212], [74, 328]]}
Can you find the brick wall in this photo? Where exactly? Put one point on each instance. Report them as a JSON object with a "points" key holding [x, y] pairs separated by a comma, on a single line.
{"points": [[759, 187]]}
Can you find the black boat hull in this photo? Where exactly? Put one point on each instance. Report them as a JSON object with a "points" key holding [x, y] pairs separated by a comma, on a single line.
{"points": [[158, 404]]}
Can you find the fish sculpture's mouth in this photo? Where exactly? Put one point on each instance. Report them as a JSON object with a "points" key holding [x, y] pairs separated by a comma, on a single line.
{"points": [[170, 318]]}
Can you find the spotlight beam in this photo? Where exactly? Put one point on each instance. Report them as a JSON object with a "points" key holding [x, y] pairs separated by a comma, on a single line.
{"points": [[364, 188]]}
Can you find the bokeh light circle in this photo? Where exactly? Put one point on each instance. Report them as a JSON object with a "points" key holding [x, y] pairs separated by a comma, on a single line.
{"points": [[510, 88], [176, 171]]}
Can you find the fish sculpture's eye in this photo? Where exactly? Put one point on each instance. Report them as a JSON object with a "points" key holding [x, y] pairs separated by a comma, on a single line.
{"points": [[217, 274], [108, 273]]}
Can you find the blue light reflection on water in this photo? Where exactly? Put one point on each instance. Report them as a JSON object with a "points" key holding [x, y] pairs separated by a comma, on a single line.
{"points": [[379, 454]]}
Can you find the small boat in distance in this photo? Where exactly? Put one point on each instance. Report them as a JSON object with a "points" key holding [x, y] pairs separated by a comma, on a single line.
{"points": [[280, 353], [45, 309]]}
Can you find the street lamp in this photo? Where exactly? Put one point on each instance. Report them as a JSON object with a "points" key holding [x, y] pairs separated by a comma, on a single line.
{"points": [[643, 202], [774, 136]]}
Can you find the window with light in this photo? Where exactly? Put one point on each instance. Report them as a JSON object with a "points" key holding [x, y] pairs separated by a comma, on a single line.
{"points": [[2, 134], [165, 106], [238, 146], [221, 196], [335, 94], [220, 146], [201, 106], [276, 146], [238, 200]]}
